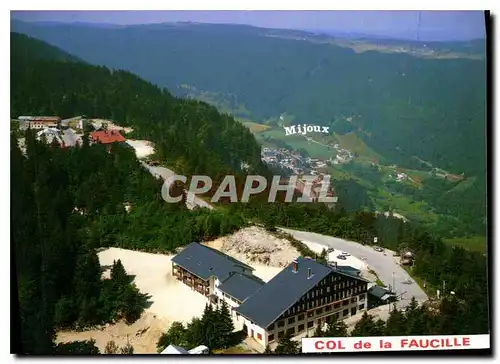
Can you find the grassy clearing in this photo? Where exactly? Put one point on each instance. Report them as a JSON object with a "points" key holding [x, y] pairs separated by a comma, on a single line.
{"points": [[476, 243], [405, 206], [415, 175], [314, 150], [337, 174], [254, 127], [353, 143]]}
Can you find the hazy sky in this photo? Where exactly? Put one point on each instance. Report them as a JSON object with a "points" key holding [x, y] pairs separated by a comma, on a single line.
{"points": [[427, 25]]}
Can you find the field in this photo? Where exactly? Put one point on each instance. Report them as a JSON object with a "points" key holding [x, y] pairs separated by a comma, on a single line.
{"points": [[476, 243], [254, 127], [337, 174], [354, 144], [405, 206], [296, 142]]}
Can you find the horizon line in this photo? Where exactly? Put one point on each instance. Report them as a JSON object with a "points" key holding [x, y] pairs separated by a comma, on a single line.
{"points": [[324, 31]]}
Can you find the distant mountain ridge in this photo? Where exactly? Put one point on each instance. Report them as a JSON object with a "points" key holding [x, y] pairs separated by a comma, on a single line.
{"points": [[36, 49], [406, 105]]}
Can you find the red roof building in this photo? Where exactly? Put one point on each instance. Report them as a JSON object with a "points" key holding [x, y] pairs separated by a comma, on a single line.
{"points": [[106, 136]]}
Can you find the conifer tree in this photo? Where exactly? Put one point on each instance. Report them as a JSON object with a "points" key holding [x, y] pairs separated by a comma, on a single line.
{"points": [[119, 275], [336, 328], [176, 335], [396, 323], [111, 348], [225, 326], [286, 345], [127, 349], [366, 326]]}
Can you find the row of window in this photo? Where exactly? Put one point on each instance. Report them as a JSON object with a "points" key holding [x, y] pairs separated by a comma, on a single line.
{"points": [[318, 311], [300, 328], [325, 300]]}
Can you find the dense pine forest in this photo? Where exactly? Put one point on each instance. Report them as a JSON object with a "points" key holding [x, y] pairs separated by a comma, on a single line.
{"points": [[404, 105], [193, 135], [412, 111], [67, 203]]}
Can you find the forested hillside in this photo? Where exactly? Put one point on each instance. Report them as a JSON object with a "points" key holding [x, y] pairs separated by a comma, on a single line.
{"points": [[30, 49], [68, 202], [434, 109], [407, 109], [193, 136]]}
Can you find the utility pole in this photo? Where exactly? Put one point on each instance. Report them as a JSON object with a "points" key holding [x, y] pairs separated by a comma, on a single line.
{"points": [[393, 283]]}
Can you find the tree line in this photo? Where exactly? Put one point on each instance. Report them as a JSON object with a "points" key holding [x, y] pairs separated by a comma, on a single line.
{"points": [[59, 278], [214, 329]]}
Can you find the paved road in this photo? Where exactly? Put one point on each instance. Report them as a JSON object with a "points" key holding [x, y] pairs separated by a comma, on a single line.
{"points": [[383, 265], [192, 200]]}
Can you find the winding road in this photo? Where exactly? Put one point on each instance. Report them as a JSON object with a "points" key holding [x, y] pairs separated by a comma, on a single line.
{"points": [[192, 201]]}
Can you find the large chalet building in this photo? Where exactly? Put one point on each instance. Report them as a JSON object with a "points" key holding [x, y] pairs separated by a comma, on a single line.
{"points": [[215, 274], [302, 296]]}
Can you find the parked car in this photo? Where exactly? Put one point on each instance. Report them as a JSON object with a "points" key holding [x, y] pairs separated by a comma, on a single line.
{"points": [[346, 254], [330, 250], [378, 249], [341, 257]]}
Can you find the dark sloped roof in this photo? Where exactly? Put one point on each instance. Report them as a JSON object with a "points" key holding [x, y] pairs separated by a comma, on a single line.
{"points": [[281, 292], [379, 292], [241, 286], [206, 262], [286, 288]]}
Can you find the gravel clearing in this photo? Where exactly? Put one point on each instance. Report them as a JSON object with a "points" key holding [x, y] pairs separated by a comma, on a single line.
{"points": [[255, 245], [143, 148], [171, 300]]}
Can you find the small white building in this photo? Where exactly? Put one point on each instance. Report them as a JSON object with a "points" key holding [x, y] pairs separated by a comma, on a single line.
{"points": [[50, 134], [174, 349]]}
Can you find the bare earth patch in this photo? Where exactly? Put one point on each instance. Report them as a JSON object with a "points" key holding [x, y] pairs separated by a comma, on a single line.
{"points": [[255, 246], [142, 334], [171, 301], [143, 148]]}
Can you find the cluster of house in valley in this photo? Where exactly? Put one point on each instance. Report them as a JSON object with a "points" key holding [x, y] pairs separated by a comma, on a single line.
{"points": [[292, 161], [298, 164], [302, 296], [69, 132]]}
